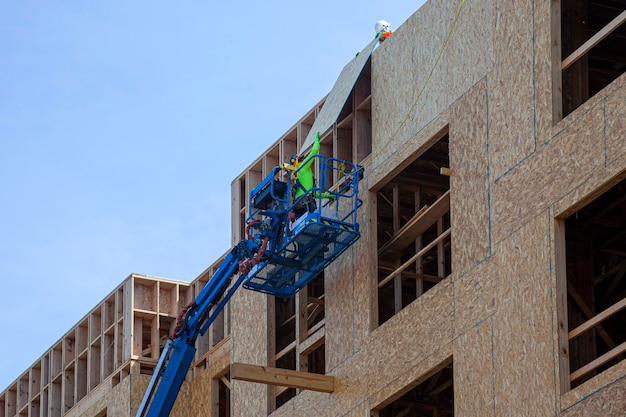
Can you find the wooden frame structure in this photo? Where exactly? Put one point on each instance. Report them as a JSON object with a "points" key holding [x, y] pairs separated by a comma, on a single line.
{"points": [[588, 41], [465, 100], [414, 229]]}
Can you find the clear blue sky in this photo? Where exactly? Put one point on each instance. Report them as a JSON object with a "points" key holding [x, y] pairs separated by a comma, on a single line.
{"points": [[122, 125]]}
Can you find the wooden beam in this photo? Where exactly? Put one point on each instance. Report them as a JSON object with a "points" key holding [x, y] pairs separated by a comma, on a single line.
{"points": [[599, 361], [417, 225], [593, 41], [421, 253], [598, 318], [580, 303], [282, 377]]}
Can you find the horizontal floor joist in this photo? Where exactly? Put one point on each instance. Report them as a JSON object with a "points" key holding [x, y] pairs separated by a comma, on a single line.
{"points": [[282, 377]]}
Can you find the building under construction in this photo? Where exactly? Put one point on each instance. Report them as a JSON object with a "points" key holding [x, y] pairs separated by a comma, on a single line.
{"points": [[489, 277]]}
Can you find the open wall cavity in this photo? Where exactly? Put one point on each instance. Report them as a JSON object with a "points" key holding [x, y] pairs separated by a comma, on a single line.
{"points": [[297, 324], [432, 396], [413, 229], [592, 270], [592, 52]]}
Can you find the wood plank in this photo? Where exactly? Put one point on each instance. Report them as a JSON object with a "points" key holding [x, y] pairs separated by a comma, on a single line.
{"points": [[414, 257], [599, 361], [291, 346], [282, 377], [414, 275], [580, 303], [313, 342], [598, 318], [418, 224], [593, 41]]}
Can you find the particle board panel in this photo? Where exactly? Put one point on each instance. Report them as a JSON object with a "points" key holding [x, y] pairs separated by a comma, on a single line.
{"points": [[339, 309], [470, 54], [411, 376], [390, 353], [598, 385], [361, 410], [249, 335], [473, 371], [615, 110], [610, 401], [475, 295], [544, 85], [523, 326], [338, 95], [383, 170], [511, 105], [555, 169], [201, 394], [409, 83], [364, 270], [347, 294], [469, 183]]}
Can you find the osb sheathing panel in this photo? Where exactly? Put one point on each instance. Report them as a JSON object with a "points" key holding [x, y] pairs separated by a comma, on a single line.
{"points": [[410, 376], [338, 95], [475, 295], [523, 355], [339, 308], [406, 153], [200, 395], [469, 53], [473, 372], [542, 83], [556, 168], [416, 75], [615, 110], [469, 183], [615, 375], [249, 336], [402, 101], [511, 105], [347, 292], [390, 360], [608, 402], [361, 410]]}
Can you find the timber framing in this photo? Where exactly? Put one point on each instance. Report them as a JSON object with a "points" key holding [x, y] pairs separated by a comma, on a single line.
{"points": [[490, 275]]}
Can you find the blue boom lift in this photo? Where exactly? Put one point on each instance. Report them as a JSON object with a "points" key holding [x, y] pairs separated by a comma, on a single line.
{"points": [[279, 256]]}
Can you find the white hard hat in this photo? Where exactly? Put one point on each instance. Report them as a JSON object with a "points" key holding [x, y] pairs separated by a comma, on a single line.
{"points": [[382, 26]]}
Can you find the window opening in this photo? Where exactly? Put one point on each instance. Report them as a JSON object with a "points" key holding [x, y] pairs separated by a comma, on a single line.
{"points": [[595, 288], [299, 342], [223, 409], [413, 218], [433, 397], [592, 48]]}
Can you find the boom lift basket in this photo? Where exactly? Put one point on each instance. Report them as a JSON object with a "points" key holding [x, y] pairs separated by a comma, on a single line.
{"points": [[299, 250]]}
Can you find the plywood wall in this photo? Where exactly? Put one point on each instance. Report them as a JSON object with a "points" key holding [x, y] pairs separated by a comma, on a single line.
{"points": [[480, 70]]}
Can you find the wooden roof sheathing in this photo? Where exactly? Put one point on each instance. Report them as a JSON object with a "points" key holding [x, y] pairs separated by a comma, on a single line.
{"points": [[339, 95]]}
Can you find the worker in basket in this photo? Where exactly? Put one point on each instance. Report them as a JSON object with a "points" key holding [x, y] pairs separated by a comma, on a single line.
{"points": [[305, 181]]}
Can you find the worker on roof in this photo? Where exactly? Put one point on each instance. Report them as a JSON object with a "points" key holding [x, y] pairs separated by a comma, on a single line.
{"points": [[383, 30], [305, 181]]}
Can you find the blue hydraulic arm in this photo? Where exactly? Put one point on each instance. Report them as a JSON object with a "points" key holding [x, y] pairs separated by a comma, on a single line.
{"points": [[180, 348], [281, 255]]}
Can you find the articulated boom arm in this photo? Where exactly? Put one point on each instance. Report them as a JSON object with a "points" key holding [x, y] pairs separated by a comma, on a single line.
{"points": [[180, 348], [285, 249]]}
